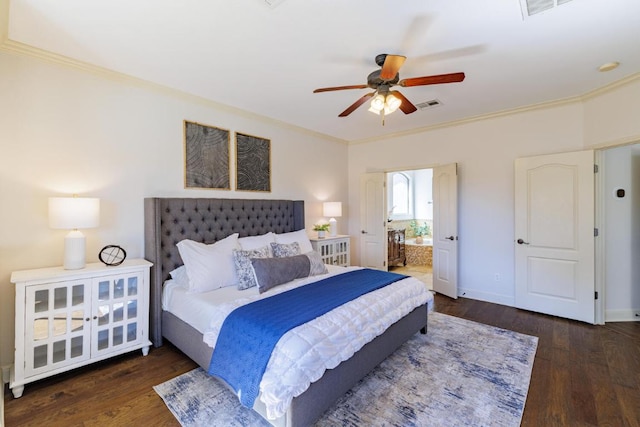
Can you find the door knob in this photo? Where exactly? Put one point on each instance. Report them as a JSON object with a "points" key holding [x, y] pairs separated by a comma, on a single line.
{"points": [[363, 232], [449, 238], [522, 242]]}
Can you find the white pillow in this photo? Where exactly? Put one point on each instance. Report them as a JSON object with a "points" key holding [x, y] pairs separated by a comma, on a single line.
{"points": [[256, 242], [299, 236], [209, 267], [179, 275]]}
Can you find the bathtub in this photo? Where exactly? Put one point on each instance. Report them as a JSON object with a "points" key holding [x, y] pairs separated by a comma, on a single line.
{"points": [[419, 254], [425, 242]]}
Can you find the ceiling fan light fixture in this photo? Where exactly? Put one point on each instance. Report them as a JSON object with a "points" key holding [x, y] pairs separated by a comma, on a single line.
{"points": [[382, 99], [391, 104], [387, 103], [377, 103]]}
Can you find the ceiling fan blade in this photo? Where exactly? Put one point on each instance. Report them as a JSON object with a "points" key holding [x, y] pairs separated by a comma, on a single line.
{"points": [[407, 106], [356, 104], [329, 89], [391, 66], [432, 80]]}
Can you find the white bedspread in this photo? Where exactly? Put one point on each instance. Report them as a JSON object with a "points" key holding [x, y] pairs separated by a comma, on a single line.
{"points": [[304, 353]]}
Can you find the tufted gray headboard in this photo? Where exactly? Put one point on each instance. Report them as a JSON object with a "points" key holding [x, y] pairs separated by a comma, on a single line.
{"points": [[170, 220]]}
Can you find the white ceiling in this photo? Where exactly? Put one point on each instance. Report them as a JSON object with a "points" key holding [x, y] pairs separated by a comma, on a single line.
{"points": [[268, 60]]}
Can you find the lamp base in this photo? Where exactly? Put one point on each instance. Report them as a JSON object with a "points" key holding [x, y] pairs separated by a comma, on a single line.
{"points": [[333, 227], [74, 250]]}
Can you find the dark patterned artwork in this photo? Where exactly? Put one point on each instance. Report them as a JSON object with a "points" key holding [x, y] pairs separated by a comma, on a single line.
{"points": [[206, 156], [253, 163]]}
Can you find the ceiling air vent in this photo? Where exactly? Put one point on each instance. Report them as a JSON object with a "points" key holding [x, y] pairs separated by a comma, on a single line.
{"points": [[429, 104], [532, 7]]}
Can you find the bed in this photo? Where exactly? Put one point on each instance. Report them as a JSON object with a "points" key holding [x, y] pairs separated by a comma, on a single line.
{"points": [[170, 220]]}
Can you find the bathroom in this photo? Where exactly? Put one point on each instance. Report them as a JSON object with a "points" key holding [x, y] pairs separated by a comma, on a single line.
{"points": [[410, 223]]}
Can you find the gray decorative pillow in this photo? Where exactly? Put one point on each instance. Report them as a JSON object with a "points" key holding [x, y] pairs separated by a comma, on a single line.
{"points": [[242, 259], [270, 272], [282, 250], [317, 266]]}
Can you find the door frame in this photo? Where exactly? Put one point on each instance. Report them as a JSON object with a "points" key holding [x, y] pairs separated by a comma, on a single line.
{"points": [[387, 171], [600, 247]]}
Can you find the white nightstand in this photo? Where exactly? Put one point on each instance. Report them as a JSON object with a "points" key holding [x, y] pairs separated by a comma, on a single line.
{"points": [[334, 250], [70, 318]]}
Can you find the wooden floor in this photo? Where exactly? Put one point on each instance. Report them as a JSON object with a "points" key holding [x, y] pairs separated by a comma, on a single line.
{"points": [[583, 375]]}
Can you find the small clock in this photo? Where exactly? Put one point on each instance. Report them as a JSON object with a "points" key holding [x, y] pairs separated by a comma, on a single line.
{"points": [[112, 255]]}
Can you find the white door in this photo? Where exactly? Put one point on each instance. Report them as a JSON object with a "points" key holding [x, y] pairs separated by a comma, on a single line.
{"points": [[554, 223], [373, 242], [445, 230]]}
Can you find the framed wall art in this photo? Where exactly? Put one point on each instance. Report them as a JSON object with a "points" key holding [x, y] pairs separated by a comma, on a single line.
{"points": [[206, 157], [253, 163]]}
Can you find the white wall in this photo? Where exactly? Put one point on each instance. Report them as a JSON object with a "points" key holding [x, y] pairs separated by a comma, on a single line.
{"points": [[618, 222], [65, 131], [621, 233], [612, 116]]}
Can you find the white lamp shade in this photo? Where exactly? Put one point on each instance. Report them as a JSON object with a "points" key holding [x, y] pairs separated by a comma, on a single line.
{"points": [[71, 213], [332, 209]]}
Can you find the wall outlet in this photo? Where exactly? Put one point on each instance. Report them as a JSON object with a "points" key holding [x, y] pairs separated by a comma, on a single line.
{"points": [[497, 277]]}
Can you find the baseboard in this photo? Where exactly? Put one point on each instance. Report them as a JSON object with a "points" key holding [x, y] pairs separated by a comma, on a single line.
{"points": [[622, 315], [487, 297]]}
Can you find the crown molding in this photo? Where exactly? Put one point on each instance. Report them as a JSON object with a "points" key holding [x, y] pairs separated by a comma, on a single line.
{"points": [[615, 143], [611, 86], [467, 120], [13, 47], [504, 113]]}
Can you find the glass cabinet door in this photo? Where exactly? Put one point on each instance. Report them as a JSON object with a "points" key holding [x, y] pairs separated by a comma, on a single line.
{"points": [[117, 300], [57, 325]]}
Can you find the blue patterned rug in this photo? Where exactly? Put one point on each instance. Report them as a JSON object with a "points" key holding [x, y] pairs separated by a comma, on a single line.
{"points": [[461, 373]]}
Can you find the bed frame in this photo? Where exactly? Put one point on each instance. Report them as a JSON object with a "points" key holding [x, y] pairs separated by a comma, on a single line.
{"points": [[170, 220]]}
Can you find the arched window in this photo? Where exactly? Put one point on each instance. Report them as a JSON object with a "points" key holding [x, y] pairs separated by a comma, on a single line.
{"points": [[400, 196]]}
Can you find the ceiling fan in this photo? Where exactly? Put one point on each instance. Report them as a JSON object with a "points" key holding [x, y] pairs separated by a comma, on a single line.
{"points": [[386, 101]]}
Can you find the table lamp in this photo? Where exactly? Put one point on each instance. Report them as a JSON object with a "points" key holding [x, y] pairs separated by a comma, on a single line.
{"points": [[74, 213], [332, 210]]}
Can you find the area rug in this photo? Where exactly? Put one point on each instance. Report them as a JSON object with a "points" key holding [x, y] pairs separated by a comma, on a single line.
{"points": [[461, 373]]}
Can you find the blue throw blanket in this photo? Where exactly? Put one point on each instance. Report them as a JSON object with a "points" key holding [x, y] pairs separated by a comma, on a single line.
{"points": [[250, 332]]}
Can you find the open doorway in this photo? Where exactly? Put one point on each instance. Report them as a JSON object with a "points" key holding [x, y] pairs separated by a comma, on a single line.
{"points": [[376, 227], [410, 223]]}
